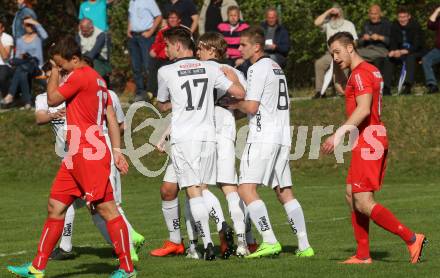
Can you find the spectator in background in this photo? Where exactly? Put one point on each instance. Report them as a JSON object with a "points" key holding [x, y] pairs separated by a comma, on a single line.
{"points": [[144, 17], [213, 13], [187, 10], [6, 46], [94, 45], [375, 36], [277, 38], [27, 62], [433, 57], [331, 21], [96, 11], [231, 31], [24, 10], [157, 51], [406, 46]]}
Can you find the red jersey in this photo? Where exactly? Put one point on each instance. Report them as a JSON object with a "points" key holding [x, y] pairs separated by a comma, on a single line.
{"points": [[366, 79], [159, 44], [86, 101]]}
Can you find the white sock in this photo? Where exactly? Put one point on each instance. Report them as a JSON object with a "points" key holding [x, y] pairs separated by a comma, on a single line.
{"points": [[171, 214], [250, 239], [190, 226], [129, 227], [214, 208], [260, 218], [236, 212], [295, 217], [102, 227], [66, 237], [201, 219]]}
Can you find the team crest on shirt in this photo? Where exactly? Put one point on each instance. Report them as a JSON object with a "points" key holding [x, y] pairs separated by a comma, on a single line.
{"points": [[377, 74]]}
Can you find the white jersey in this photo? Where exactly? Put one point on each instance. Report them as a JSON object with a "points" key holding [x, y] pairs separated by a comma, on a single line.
{"points": [[59, 126], [189, 84], [120, 117], [267, 84], [224, 118]]}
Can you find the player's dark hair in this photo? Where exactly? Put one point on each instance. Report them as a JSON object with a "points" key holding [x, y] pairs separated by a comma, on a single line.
{"points": [[216, 41], [47, 67], [344, 38], [3, 21], [403, 10], [67, 47], [182, 35], [255, 35]]}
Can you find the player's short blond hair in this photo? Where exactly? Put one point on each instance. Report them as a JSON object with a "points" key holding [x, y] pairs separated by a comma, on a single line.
{"points": [[216, 41]]}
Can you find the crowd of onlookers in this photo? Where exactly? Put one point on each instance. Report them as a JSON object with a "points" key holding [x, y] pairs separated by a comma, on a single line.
{"points": [[381, 42]]}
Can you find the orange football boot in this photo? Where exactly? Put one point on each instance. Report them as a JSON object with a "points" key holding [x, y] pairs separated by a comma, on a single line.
{"points": [[169, 248], [355, 260], [415, 249]]}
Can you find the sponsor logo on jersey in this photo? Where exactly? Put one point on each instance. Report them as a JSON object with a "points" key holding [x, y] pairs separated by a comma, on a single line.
{"points": [[191, 72], [278, 71], [189, 65]]}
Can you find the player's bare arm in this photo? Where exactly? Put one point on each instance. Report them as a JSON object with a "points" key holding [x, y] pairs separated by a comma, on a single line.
{"points": [[362, 111], [160, 146], [115, 139], [164, 106], [236, 90], [54, 98], [43, 117], [246, 106]]}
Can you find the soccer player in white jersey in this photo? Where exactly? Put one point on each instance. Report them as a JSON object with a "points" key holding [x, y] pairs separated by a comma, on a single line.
{"points": [[56, 116], [265, 158], [184, 87]]}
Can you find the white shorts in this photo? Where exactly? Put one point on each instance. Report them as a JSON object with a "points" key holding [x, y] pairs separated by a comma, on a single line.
{"points": [[266, 164], [194, 163], [170, 174], [115, 181], [226, 172]]}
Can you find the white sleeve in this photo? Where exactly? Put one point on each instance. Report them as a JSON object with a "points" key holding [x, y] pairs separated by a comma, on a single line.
{"points": [[163, 94], [120, 117], [255, 83], [353, 31], [41, 103], [8, 40], [241, 78], [221, 83]]}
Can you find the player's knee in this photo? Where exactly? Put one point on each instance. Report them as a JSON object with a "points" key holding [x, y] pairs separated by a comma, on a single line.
{"points": [[168, 192]]}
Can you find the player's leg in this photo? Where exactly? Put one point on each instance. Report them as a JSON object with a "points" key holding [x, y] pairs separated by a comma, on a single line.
{"points": [[200, 214], [191, 229], [361, 224], [64, 250], [171, 214], [225, 232], [295, 216], [250, 239]]}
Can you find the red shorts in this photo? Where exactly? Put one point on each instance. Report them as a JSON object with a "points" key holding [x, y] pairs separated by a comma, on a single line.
{"points": [[366, 175], [87, 179]]}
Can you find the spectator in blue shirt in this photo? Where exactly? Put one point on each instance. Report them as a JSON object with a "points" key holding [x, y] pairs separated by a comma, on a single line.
{"points": [[27, 61], [144, 18], [24, 10], [96, 11]]}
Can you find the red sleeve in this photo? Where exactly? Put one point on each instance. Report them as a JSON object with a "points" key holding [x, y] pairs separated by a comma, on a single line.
{"points": [[363, 83], [71, 86]]}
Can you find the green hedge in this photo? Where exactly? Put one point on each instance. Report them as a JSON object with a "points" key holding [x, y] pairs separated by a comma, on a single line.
{"points": [[308, 42]]}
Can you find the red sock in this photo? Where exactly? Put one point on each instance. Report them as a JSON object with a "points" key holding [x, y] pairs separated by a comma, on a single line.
{"points": [[117, 229], [49, 237], [361, 223], [384, 218]]}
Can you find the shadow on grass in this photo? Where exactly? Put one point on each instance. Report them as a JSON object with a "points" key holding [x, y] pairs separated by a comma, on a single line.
{"points": [[101, 252], [93, 268], [375, 255]]}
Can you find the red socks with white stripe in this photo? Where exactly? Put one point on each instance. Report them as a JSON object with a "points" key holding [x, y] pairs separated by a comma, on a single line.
{"points": [[118, 232], [50, 235]]}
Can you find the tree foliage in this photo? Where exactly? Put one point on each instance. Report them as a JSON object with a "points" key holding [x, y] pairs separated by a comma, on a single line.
{"points": [[308, 42]]}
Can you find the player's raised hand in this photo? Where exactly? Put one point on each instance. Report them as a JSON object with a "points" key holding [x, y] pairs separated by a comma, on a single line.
{"points": [[329, 145], [120, 161], [60, 113], [160, 146]]}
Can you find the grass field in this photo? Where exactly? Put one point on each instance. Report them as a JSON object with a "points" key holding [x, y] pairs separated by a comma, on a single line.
{"points": [[411, 191]]}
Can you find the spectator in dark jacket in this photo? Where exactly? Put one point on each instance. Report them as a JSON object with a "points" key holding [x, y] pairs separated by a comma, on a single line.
{"points": [[24, 10], [375, 36], [187, 10], [406, 46], [277, 38], [433, 57]]}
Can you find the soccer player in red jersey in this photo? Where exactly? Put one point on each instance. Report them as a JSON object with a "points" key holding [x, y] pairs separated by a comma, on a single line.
{"points": [[84, 172], [363, 99]]}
